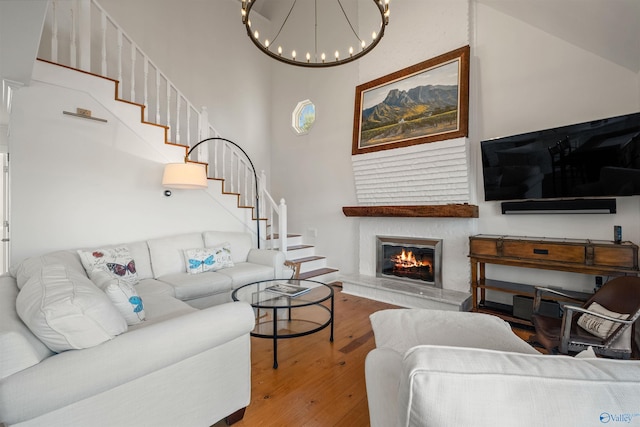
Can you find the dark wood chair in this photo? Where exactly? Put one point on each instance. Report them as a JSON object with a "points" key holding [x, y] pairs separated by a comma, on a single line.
{"points": [[564, 335]]}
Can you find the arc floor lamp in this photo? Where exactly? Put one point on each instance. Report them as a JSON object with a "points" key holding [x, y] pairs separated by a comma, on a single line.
{"points": [[193, 176]]}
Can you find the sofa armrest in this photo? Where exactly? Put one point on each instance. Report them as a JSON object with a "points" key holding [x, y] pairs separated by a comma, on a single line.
{"points": [[134, 354], [383, 368], [438, 327], [270, 258]]}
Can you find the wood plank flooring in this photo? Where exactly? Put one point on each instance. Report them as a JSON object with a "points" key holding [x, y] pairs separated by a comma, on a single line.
{"points": [[317, 383]]}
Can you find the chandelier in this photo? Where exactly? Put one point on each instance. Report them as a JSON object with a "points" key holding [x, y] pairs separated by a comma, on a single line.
{"points": [[319, 33]]}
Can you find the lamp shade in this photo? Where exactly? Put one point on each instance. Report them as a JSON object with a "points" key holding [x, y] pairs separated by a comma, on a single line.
{"points": [[185, 176]]}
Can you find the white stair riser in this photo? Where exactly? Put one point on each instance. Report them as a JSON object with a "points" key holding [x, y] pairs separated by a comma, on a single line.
{"points": [[313, 265], [294, 241], [301, 253], [326, 278]]}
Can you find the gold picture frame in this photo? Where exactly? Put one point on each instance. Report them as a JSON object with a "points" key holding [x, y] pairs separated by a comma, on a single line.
{"points": [[425, 102]]}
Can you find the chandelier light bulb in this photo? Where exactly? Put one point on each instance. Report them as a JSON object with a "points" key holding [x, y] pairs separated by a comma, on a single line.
{"points": [[266, 43], [350, 50], [323, 56], [337, 55], [308, 56], [256, 34], [293, 54], [280, 50], [363, 43], [373, 35]]}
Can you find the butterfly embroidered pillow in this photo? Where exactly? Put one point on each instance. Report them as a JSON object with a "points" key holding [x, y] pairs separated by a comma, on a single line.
{"points": [[123, 295], [126, 300], [116, 261]]}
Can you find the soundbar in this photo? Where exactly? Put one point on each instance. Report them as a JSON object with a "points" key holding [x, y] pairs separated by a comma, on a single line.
{"points": [[566, 206]]}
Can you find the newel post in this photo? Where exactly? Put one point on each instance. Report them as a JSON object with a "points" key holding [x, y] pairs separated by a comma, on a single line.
{"points": [[282, 226]]}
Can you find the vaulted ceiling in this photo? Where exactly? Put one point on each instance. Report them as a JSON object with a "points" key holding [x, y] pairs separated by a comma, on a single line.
{"points": [[607, 28]]}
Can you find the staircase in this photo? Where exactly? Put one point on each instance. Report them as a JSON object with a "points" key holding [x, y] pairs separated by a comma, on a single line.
{"points": [[312, 266], [164, 106]]}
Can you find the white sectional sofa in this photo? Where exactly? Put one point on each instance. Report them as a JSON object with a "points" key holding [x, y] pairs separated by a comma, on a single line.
{"points": [[437, 368], [68, 357]]}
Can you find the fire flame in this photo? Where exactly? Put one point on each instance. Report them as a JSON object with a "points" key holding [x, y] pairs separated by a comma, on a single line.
{"points": [[407, 260]]}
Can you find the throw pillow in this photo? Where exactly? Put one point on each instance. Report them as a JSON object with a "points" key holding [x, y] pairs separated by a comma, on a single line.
{"points": [[126, 300], [66, 311], [117, 261], [602, 328], [224, 259], [199, 260]]}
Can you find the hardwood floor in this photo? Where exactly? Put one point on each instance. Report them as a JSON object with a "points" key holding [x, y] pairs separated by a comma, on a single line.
{"points": [[317, 383]]}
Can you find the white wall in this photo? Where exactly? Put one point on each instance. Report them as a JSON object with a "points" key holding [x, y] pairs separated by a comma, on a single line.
{"points": [[79, 183], [201, 45], [314, 172], [526, 80], [522, 79]]}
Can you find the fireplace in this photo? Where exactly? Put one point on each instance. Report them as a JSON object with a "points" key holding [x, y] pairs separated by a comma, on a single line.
{"points": [[410, 260]]}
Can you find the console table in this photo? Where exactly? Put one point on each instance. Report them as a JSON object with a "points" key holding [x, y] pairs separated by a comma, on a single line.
{"points": [[596, 257]]}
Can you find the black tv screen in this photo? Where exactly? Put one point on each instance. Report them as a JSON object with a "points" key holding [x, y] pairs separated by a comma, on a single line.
{"points": [[600, 158]]}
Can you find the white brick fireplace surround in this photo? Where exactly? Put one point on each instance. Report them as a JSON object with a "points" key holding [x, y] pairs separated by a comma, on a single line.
{"points": [[426, 174]]}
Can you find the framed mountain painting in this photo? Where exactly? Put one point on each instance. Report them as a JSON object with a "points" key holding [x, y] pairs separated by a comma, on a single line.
{"points": [[425, 102]]}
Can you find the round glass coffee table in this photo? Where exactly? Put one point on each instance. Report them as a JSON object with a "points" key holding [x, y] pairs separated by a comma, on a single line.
{"points": [[280, 315]]}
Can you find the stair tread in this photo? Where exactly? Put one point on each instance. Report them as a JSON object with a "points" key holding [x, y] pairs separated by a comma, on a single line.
{"points": [[319, 272], [295, 247], [277, 236], [308, 259]]}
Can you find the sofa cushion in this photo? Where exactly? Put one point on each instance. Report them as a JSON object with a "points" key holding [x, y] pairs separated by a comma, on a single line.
{"points": [[239, 242], [30, 266], [167, 254], [243, 273], [477, 387], [19, 348], [192, 286], [117, 262], [65, 310]]}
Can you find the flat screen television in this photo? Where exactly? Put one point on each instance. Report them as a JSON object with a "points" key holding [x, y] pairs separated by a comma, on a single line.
{"points": [[600, 158]]}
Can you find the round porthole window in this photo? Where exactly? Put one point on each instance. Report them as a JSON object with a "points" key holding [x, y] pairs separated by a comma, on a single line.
{"points": [[303, 117]]}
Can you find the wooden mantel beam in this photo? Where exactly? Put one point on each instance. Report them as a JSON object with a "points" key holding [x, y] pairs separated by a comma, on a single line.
{"points": [[431, 211]]}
